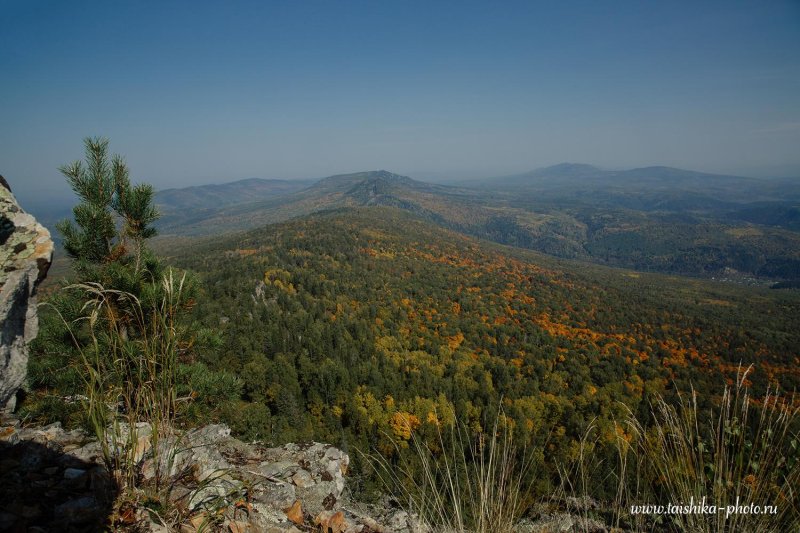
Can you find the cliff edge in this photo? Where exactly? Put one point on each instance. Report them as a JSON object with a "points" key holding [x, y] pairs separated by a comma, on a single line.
{"points": [[26, 252]]}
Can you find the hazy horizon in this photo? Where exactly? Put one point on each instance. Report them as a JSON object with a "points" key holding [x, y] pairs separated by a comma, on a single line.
{"points": [[194, 93]]}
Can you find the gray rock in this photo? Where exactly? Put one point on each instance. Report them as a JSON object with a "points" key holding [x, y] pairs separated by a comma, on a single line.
{"points": [[561, 522], [91, 452], [400, 521], [74, 480], [265, 518], [78, 510], [276, 497], [45, 434], [316, 470], [582, 504], [26, 252], [215, 492], [246, 487], [74, 473], [9, 435], [200, 450], [303, 479]]}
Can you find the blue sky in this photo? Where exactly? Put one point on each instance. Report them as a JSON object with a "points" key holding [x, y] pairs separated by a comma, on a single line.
{"points": [[199, 92]]}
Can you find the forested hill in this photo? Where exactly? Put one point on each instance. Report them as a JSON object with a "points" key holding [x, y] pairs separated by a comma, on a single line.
{"points": [[359, 325], [378, 187], [187, 205], [653, 219]]}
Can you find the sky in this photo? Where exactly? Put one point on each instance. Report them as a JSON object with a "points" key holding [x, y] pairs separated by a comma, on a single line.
{"points": [[208, 92]]}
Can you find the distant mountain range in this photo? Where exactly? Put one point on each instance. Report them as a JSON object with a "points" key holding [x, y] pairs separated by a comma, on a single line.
{"points": [[378, 187], [185, 206], [655, 218], [573, 177], [246, 190], [567, 186]]}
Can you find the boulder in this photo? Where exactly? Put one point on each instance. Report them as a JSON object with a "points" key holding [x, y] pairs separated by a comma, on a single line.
{"points": [[26, 252], [316, 470]]}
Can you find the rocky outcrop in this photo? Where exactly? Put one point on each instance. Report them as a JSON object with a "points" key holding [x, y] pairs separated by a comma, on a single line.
{"points": [[54, 480], [26, 251]]}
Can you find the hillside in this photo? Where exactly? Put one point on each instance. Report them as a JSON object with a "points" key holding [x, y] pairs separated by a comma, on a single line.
{"points": [[345, 190], [179, 207], [235, 192], [572, 178], [654, 219], [182, 206], [358, 326]]}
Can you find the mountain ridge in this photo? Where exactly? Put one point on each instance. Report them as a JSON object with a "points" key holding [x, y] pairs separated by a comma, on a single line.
{"points": [[654, 218], [581, 171], [228, 192]]}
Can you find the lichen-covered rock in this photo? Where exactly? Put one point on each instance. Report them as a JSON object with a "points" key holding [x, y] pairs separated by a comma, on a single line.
{"points": [[561, 522], [55, 480], [26, 252], [316, 470]]}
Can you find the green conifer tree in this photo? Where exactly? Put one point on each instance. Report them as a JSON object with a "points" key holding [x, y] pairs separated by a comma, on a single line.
{"points": [[111, 222]]}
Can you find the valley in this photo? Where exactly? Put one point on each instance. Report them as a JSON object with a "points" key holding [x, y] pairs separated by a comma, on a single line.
{"points": [[654, 219]]}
